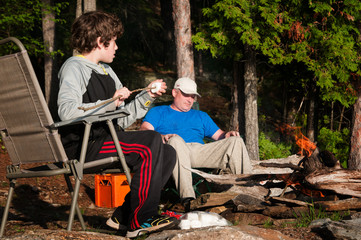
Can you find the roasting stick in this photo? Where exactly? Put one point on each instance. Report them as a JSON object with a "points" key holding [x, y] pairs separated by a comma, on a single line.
{"points": [[113, 99]]}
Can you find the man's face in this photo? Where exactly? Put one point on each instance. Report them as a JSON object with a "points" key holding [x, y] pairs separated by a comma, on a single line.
{"points": [[183, 102], [108, 53]]}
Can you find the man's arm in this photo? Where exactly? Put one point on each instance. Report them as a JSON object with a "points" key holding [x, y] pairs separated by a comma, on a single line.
{"points": [[146, 126], [220, 134]]}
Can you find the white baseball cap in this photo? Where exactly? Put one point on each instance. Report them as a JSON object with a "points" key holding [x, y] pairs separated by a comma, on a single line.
{"points": [[187, 86]]}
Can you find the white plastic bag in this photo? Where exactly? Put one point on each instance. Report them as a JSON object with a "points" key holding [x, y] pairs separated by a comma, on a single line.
{"points": [[198, 219]]}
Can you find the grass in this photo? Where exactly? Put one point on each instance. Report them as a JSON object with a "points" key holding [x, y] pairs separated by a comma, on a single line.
{"points": [[268, 223], [305, 218]]}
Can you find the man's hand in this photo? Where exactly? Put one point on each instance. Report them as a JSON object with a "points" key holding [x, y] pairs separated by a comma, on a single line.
{"points": [[166, 137], [220, 134], [161, 90], [231, 133], [123, 93]]}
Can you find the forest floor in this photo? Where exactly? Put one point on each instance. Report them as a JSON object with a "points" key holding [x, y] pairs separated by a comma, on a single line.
{"points": [[43, 204]]}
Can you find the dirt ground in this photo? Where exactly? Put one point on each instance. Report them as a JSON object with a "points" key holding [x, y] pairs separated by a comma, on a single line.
{"points": [[43, 204]]}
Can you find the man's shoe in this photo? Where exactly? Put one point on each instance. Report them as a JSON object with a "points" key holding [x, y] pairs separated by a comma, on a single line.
{"points": [[186, 203], [153, 224]]}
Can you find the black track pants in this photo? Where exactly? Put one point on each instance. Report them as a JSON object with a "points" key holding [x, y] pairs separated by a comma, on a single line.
{"points": [[152, 163]]}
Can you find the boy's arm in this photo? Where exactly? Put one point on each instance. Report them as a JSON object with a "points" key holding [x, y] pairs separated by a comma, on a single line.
{"points": [[70, 96], [137, 109]]}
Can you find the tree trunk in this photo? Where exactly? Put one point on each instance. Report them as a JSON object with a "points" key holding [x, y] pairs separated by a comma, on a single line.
{"points": [[237, 122], [48, 25], [341, 119], [251, 113], [234, 122], [331, 117], [354, 161], [183, 41], [311, 114], [79, 8], [169, 55], [90, 5], [48, 35]]}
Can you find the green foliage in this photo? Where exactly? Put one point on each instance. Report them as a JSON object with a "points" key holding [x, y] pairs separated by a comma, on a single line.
{"points": [[270, 150], [324, 36], [22, 19], [305, 218], [268, 223], [335, 142]]}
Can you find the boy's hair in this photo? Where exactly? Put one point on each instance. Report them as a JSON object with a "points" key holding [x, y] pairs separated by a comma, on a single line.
{"points": [[91, 25]]}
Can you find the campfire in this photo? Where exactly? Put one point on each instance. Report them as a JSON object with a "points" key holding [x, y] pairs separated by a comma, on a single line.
{"points": [[317, 178]]}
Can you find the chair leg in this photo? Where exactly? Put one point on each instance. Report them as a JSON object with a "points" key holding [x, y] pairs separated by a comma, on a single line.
{"points": [[80, 216], [7, 207], [74, 204]]}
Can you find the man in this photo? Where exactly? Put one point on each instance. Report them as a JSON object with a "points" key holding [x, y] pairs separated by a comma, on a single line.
{"points": [[86, 81], [185, 128]]}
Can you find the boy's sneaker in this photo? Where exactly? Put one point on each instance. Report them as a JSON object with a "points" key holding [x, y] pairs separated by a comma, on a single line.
{"points": [[115, 224], [118, 220], [153, 224]]}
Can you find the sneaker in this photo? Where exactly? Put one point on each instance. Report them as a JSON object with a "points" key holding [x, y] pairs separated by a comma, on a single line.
{"points": [[118, 220], [186, 202], [115, 224], [153, 224]]}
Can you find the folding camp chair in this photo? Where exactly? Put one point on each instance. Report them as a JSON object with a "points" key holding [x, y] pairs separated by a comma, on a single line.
{"points": [[31, 136]]}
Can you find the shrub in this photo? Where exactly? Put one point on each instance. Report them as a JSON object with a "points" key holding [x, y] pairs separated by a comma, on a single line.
{"points": [[335, 142], [270, 150]]}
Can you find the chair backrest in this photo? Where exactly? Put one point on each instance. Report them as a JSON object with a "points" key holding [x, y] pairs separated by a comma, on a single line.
{"points": [[24, 115]]}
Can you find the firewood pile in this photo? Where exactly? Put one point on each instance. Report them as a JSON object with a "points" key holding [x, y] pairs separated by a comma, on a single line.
{"points": [[281, 188]]}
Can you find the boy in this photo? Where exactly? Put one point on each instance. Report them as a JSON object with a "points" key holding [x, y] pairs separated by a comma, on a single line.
{"points": [[84, 82]]}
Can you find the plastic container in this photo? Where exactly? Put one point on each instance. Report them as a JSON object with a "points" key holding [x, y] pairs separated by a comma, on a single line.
{"points": [[110, 190]]}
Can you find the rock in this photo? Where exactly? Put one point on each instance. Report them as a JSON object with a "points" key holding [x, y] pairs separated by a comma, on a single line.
{"points": [[344, 229], [243, 232]]}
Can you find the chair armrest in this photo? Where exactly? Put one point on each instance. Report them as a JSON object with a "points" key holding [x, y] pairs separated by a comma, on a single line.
{"points": [[93, 118]]}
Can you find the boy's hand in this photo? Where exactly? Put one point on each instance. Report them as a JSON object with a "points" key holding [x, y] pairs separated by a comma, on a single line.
{"points": [[166, 137], [161, 89], [123, 93]]}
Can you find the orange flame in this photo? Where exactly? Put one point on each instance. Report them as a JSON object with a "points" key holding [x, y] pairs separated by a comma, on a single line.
{"points": [[306, 191], [301, 140]]}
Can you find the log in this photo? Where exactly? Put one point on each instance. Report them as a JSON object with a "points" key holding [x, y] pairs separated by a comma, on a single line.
{"points": [[312, 163], [276, 166], [284, 212], [247, 203], [341, 181], [340, 205], [213, 199], [289, 202]]}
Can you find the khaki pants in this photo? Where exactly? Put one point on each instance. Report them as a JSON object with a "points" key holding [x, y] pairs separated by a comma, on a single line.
{"points": [[229, 153]]}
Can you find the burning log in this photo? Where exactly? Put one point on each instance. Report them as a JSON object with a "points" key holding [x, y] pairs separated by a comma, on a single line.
{"points": [[319, 160]]}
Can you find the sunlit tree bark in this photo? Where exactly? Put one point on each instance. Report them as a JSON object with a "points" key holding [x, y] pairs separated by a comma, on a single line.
{"points": [[183, 41]]}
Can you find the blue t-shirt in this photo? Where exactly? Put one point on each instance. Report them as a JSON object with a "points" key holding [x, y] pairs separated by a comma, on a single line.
{"points": [[192, 126]]}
